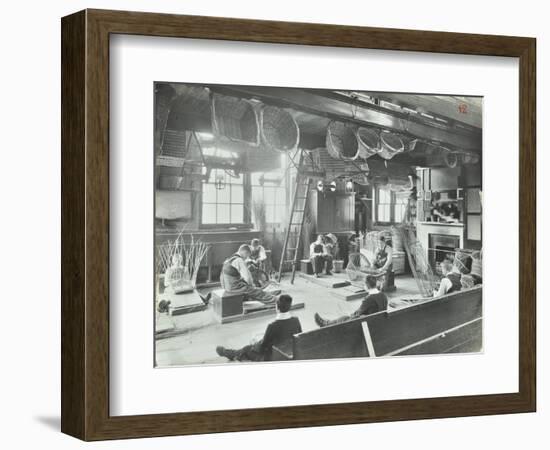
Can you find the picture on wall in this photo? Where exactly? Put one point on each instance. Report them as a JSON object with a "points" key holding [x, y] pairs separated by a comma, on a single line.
{"points": [[307, 224]]}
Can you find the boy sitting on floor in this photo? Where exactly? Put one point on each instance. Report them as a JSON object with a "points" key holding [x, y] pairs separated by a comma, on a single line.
{"points": [[374, 302], [277, 332]]}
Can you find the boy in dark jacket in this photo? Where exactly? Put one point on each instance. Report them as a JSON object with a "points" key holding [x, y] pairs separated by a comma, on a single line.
{"points": [[374, 302], [277, 332]]}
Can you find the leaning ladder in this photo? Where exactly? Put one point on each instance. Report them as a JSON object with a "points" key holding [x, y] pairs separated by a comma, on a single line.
{"points": [[296, 219]]}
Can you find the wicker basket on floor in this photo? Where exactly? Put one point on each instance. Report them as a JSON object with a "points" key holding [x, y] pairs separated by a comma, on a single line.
{"points": [[341, 141], [359, 267], [279, 131]]}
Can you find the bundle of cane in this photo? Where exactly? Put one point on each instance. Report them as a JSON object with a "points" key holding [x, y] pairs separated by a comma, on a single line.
{"points": [[193, 254]]}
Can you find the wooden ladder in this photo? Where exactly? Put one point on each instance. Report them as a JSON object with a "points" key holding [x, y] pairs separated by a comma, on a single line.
{"points": [[296, 219]]}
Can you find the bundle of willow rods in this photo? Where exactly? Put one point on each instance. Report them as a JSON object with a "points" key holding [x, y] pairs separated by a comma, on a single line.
{"points": [[192, 253]]}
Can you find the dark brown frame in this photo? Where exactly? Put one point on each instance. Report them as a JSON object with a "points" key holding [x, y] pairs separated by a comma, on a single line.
{"points": [[85, 224]]}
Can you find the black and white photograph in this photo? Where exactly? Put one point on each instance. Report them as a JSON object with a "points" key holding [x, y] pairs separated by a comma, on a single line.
{"points": [[300, 224]]}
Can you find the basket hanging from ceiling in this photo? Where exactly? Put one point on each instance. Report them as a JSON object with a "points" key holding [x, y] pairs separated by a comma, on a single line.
{"points": [[279, 131], [341, 141], [369, 142], [235, 119], [450, 158], [469, 158], [391, 145]]}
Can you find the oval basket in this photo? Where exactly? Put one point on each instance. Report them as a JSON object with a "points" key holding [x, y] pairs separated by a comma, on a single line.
{"points": [[469, 158], [235, 119], [279, 131], [451, 159], [369, 142], [342, 142], [391, 145]]}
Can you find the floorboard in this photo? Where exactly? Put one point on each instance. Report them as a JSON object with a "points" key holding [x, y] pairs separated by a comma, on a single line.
{"points": [[192, 338]]}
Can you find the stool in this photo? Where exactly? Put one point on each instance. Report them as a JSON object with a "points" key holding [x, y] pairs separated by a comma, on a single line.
{"points": [[226, 304], [306, 266]]}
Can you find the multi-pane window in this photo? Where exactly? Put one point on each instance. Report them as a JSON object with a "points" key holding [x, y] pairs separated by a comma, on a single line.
{"points": [[383, 205], [270, 188], [400, 206], [223, 199], [391, 207]]}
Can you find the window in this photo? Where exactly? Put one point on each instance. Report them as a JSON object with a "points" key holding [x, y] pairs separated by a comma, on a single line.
{"points": [[383, 205], [400, 206], [270, 188], [223, 199], [391, 207]]}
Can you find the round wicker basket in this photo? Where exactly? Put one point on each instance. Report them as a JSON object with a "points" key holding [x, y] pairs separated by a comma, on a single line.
{"points": [[369, 142], [235, 119], [342, 141], [469, 158], [392, 144], [279, 130], [451, 159]]}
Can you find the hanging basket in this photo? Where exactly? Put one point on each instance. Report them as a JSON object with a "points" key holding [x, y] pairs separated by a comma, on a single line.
{"points": [[451, 159], [342, 142], [369, 142], [446, 158], [469, 158], [279, 131], [235, 120], [391, 145]]}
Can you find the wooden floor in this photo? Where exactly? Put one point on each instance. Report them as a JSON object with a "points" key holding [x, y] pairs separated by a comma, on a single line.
{"points": [[194, 336]]}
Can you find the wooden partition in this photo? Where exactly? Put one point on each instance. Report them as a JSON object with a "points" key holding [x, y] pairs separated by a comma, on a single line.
{"points": [[452, 323]]}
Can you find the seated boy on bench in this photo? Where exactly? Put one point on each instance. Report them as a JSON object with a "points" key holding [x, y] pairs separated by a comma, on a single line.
{"points": [[374, 302], [320, 257], [276, 333]]}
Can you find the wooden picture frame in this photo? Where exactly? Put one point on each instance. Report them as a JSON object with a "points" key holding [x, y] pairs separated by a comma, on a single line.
{"points": [[85, 224]]}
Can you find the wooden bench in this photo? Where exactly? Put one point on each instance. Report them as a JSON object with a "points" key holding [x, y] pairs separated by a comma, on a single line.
{"points": [[451, 323]]}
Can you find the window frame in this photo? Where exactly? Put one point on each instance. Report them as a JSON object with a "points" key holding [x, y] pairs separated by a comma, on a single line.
{"points": [[393, 203], [246, 223]]}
